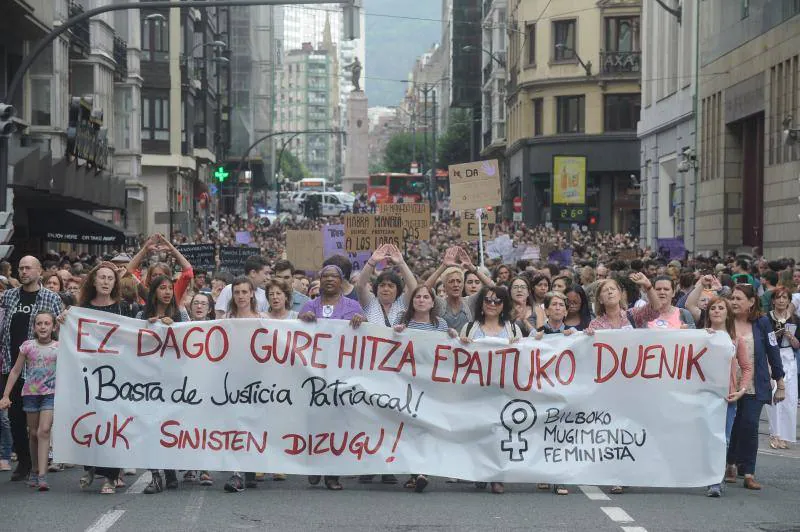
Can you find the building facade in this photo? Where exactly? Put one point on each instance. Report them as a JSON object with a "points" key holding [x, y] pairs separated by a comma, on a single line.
{"points": [[72, 150], [573, 90], [748, 96], [493, 79], [305, 103], [667, 126]]}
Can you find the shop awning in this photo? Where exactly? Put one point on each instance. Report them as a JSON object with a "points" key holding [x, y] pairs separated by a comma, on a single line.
{"points": [[67, 225]]}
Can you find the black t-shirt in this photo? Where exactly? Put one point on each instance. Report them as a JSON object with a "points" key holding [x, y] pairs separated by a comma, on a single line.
{"points": [[123, 308], [21, 320]]}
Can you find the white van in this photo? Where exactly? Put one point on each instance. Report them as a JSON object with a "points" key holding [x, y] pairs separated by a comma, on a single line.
{"points": [[332, 203]]}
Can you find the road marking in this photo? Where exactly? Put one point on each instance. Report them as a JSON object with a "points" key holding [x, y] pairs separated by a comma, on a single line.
{"points": [[594, 493], [140, 484], [778, 454], [192, 510], [106, 521], [634, 529], [617, 514]]}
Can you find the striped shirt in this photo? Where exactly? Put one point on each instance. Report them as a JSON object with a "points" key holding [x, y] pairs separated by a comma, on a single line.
{"points": [[441, 325]]}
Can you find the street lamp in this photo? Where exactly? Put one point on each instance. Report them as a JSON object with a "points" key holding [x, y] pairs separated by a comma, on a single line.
{"points": [[469, 48], [587, 66]]}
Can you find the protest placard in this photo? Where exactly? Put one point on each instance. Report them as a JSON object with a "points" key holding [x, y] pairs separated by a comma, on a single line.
{"points": [[474, 185], [232, 258], [201, 256], [333, 244], [416, 218], [326, 399], [469, 225], [671, 248], [368, 232], [304, 249]]}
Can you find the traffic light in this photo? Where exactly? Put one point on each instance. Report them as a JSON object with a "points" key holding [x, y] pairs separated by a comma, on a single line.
{"points": [[221, 174], [592, 220], [6, 114]]}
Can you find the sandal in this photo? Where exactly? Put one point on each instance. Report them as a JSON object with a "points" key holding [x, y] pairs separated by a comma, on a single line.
{"points": [[774, 442], [617, 490], [333, 485], [108, 489], [410, 484], [119, 483], [558, 489], [87, 479]]}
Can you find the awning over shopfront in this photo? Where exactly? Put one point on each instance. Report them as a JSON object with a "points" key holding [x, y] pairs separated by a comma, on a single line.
{"points": [[66, 225]]}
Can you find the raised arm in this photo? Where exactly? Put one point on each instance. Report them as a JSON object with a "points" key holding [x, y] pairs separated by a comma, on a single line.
{"points": [[693, 299], [409, 279], [363, 282], [467, 262], [136, 261], [182, 261], [449, 260]]}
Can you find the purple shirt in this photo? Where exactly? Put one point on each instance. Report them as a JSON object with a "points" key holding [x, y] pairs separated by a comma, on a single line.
{"points": [[345, 309]]}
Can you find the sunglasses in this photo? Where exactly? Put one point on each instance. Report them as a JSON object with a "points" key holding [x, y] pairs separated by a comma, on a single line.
{"points": [[492, 301]]}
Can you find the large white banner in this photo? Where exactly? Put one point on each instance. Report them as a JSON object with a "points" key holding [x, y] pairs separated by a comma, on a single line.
{"points": [[635, 408]]}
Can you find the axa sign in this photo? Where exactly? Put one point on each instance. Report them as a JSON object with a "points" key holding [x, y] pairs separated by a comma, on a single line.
{"points": [[87, 139]]}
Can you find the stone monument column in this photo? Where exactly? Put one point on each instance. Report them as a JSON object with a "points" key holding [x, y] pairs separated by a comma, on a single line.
{"points": [[356, 165]]}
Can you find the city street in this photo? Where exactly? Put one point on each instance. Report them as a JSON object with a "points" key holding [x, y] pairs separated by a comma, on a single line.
{"points": [[294, 505]]}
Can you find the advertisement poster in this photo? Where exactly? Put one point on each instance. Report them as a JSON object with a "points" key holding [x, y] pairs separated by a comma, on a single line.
{"points": [[569, 179]]}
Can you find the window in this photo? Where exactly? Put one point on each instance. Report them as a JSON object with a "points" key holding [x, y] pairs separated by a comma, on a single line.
{"points": [[622, 112], [530, 37], [155, 118], [570, 114], [564, 40], [622, 34], [155, 40], [40, 100], [538, 104], [123, 107]]}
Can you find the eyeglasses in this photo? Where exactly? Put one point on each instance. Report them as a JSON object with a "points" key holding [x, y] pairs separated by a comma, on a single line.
{"points": [[200, 303], [519, 287], [492, 301]]}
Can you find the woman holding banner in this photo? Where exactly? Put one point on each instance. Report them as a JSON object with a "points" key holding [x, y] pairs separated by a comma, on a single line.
{"points": [[331, 304], [421, 316], [493, 319], [101, 291], [578, 313], [610, 309], [762, 347], [279, 297], [160, 306], [720, 316]]}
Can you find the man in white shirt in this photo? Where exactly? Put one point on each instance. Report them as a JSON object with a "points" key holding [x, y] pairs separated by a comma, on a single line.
{"points": [[256, 268]]}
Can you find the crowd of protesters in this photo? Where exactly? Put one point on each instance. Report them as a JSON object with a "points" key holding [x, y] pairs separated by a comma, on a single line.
{"points": [[437, 285]]}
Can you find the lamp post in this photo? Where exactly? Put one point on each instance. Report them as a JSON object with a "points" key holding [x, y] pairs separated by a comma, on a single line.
{"points": [[469, 48], [587, 66]]}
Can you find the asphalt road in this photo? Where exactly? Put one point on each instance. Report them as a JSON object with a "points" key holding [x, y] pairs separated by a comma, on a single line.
{"points": [[296, 506]]}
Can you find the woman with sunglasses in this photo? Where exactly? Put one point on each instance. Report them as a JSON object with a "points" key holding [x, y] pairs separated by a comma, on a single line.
{"points": [[762, 347], [528, 315], [493, 319], [783, 416]]}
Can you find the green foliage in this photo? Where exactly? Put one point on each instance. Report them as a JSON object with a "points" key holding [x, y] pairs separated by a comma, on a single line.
{"points": [[401, 152], [292, 168], [454, 145]]}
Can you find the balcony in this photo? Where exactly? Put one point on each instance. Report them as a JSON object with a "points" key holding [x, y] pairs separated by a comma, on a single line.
{"points": [[621, 62], [487, 71], [121, 59], [79, 41]]}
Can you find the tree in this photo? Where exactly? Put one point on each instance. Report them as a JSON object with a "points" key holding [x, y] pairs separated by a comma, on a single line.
{"points": [[400, 151], [292, 168], [454, 145]]}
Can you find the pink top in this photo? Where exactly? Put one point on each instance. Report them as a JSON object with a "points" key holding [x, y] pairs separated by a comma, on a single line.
{"points": [[640, 317], [672, 321], [742, 361]]}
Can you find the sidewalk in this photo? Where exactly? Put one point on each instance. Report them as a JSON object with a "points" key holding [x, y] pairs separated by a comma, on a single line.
{"points": [[763, 439]]}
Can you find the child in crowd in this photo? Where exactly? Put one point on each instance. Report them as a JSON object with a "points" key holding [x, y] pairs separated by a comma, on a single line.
{"points": [[38, 360]]}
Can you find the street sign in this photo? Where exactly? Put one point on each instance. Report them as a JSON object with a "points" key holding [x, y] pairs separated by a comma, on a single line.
{"points": [[221, 174], [517, 204], [517, 216]]}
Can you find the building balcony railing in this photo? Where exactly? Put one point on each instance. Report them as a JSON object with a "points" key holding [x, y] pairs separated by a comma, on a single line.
{"points": [[80, 40], [621, 62], [121, 59]]}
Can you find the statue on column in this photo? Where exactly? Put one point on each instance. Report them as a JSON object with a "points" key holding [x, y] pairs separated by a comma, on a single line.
{"points": [[355, 68]]}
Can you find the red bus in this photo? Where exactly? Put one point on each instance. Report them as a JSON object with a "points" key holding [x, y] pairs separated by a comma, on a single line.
{"points": [[390, 187]]}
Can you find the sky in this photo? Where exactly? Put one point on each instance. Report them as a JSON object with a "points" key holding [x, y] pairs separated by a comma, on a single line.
{"points": [[393, 44]]}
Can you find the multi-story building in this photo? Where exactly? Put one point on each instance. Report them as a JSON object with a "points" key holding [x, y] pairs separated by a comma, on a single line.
{"points": [[182, 113], [493, 79], [74, 147], [305, 104], [667, 123], [749, 95], [573, 90]]}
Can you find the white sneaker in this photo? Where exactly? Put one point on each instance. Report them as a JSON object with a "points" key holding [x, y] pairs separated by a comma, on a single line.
{"points": [[129, 472]]}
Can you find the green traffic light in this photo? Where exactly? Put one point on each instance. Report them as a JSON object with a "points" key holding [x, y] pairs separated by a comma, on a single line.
{"points": [[221, 174]]}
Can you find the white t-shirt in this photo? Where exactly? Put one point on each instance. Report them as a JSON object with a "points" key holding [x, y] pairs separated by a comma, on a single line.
{"points": [[796, 302], [225, 299]]}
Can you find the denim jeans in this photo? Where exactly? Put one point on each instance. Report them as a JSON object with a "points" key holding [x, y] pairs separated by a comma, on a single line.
{"points": [[6, 442], [743, 447], [731, 416]]}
